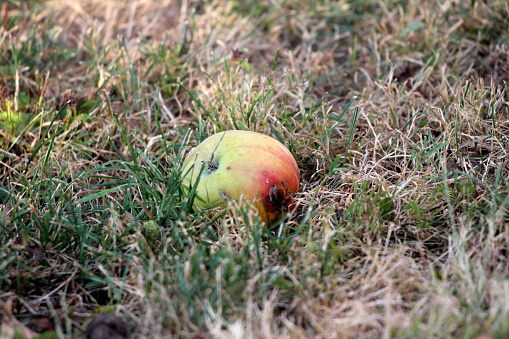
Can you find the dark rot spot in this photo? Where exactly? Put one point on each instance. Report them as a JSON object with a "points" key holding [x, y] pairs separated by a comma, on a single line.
{"points": [[212, 164], [269, 206], [224, 195], [228, 168], [276, 195], [276, 203]]}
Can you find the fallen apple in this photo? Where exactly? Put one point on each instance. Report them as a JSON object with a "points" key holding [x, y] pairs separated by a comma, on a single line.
{"points": [[242, 164]]}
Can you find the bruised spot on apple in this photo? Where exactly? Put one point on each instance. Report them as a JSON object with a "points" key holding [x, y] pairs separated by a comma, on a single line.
{"points": [[234, 164]]}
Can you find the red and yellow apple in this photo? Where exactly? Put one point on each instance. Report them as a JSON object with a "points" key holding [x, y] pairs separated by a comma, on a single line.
{"points": [[242, 164]]}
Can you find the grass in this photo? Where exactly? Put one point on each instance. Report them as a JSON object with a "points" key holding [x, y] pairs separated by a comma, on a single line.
{"points": [[396, 112]]}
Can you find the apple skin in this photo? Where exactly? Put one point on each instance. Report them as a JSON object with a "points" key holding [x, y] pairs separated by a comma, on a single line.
{"points": [[235, 164]]}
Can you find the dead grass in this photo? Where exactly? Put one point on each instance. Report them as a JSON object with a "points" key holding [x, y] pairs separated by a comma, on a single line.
{"points": [[396, 111]]}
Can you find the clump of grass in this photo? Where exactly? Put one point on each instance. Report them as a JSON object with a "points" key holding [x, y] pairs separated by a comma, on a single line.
{"points": [[395, 111]]}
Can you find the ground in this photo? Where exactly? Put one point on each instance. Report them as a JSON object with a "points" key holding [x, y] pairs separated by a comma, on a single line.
{"points": [[397, 113]]}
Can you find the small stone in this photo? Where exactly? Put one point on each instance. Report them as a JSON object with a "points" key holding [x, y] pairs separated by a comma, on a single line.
{"points": [[106, 326]]}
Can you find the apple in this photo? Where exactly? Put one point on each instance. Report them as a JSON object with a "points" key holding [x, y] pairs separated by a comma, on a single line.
{"points": [[243, 164]]}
